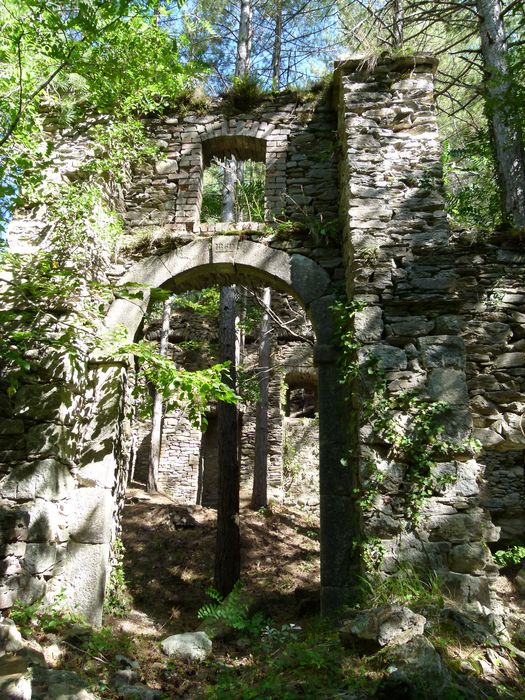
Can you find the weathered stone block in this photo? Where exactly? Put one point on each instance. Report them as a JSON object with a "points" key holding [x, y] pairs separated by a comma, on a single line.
{"points": [[45, 402], [415, 326], [13, 523], [40, 558], [83, 578], [164, 167], [442, 351], [488, 437], [387, 356], [510, 359], [512, 430], [47, 522], [469, 558], [46, 478], [53, 439], [91, 515], [474, 591], [369, 324], [457, 527], [448, 385], [308, 279]]}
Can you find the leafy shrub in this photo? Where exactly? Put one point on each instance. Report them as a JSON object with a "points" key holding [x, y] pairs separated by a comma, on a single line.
{"points": [[292, 665], [511, 555], [246, 92], [104, 642], [47, 618]]}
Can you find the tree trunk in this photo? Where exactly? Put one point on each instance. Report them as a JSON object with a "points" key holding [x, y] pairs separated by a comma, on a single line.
{"points": [[260, 467], [507, 141], [156, 418], [244, 40], [398, 24], [277, 43], [228, 189], [227, 555]]}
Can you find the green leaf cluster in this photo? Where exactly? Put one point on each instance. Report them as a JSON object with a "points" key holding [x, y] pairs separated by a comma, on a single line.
{"points": [[179, 388], [232, 611], [511, 555], [472, 194], [344, 314], [204, 302], [48, 618], [293, 664], [412, 427], [61, 61]]}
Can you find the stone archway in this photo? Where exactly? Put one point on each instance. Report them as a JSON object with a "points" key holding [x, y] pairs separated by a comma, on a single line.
{"points": [[224, 260]]}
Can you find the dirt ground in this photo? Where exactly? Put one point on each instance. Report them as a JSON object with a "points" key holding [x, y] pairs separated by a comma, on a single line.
{"points": [[168, 566], [170, 552]]}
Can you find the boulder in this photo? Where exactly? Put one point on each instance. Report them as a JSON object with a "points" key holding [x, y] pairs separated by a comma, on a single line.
{"points": [[377, 627], [191, 646], [415, 671], [10, 638]]}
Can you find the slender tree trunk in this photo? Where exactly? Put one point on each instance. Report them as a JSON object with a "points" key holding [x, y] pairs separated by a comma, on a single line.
{"points": [[156, 419], [507, 141], [244, 40], [277, 43], [227, 555], [260, 467], [228, 189], [398, 24]]}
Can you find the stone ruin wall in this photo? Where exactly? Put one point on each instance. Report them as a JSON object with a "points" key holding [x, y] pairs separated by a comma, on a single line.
{"points": [[442, 316], [401, 267], [491, 286]]}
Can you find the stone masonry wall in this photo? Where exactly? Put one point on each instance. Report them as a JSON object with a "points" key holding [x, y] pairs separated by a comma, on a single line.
{"points": [[401, 265], [301, 463], [491, 286], [440, 317]]}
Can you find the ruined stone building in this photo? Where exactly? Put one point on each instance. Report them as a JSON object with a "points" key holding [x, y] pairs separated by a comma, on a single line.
{"points": [[354, 207]]}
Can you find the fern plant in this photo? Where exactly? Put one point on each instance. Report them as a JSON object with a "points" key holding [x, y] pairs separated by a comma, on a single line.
{"points": [[232, 611]]}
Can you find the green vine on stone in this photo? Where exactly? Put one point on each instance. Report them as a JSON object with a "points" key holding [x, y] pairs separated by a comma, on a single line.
{"points": [[344, 313], [117, 598], [412, 427]]}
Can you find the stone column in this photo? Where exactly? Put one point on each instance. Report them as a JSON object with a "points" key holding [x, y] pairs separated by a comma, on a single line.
{"points": [[336, 476]]}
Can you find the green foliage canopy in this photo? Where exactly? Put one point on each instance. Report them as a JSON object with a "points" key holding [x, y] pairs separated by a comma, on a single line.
{"points": [[84, 55]]}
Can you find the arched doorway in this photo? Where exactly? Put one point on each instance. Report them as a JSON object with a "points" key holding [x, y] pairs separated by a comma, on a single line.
{"points": [[225, 260]]}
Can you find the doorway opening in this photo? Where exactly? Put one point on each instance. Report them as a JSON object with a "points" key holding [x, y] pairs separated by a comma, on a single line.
{"points": [[182, 522]]}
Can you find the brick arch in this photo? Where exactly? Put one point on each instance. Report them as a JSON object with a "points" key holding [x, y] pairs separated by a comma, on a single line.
{"points": [[225, 260]]}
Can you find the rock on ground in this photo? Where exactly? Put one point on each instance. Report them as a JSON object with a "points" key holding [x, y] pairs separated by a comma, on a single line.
{"points": [[192, 646], [377, 627]]}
